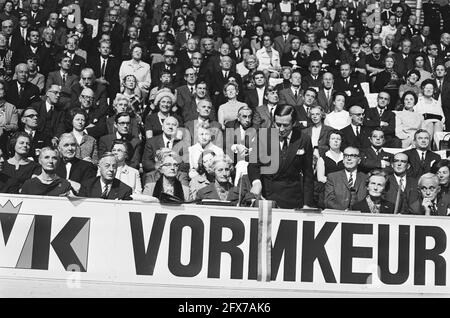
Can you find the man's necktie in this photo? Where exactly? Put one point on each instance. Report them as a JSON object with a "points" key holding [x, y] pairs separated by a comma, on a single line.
{"points": [[64, 80], [422, 159], [285, 38], [357, 131], [21, 89], [296, 94], [433, 209], [168, 144], [285, 144], [192, 90], [381, 113], [103, 68], [402, 184], [105, 192], [188, 36], [350, 181]]}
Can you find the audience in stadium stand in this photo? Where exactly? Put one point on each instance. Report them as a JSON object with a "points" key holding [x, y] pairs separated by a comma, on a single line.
{"points": [[330, 96]]}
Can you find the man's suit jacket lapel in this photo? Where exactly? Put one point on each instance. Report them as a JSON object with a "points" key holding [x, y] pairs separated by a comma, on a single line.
{"points": [[291, 151], [96, 190], [114, 191], [266, 112], [359, 181]]}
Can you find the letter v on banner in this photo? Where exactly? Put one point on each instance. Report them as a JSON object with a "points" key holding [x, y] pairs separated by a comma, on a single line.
{"points": [[264, 241]]}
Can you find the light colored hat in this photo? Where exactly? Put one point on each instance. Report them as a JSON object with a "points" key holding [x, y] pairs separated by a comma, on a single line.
{"points": [[165, 93]]}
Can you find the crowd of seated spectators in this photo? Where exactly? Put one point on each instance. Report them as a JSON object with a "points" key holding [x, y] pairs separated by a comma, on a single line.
{"points": [[310, 104]]}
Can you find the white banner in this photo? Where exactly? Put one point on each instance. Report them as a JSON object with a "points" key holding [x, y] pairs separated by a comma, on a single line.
{"points": [[128, 242]]}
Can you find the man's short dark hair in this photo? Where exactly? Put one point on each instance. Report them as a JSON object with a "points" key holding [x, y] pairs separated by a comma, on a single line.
{"points": [[122, 114], [286, 110]]}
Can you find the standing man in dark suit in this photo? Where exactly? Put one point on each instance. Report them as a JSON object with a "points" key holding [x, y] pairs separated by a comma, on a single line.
{"points": [[352, 88], [168, 64], [239, 137], [356, 134], [432, 18], [219, 79], [420, 41], [325, 94], [421, 158], [71, 168], [37, 16], [293, 95], [106, 186], [326, 31], [20, 92], [186, 93], [382, 117], [307, 10], [96, 116], [88, 80], [387, 11], [289, 180], [404, 59], [346, 187], [117, 30], [374, 157], [105, 68], [209, 22], [51, 114], [62, 77], [432, 58], [20, 34], [122, 124], [294, 58], [264, 114], [78, 62], [255, 97], [400, 187], [282, 43], [323, 55]]}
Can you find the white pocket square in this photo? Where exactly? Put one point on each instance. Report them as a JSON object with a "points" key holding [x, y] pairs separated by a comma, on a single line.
{"points": [[300, 152]]}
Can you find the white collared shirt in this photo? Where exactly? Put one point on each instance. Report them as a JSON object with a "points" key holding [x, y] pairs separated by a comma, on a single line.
{"points": [[315, 135], [167, 140], [68, 168], [48, 106], [30, 132], [420, 153], [293, 89], [260, 92]]}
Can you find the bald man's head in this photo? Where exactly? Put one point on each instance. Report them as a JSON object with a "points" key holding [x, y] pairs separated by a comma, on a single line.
{"points": [[356, 115]]}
